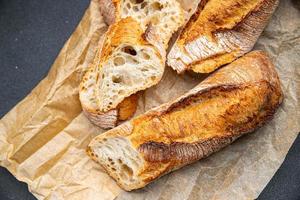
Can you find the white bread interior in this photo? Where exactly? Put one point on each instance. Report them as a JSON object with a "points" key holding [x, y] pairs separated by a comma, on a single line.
{"points": [[122, 161], [129, 69]]}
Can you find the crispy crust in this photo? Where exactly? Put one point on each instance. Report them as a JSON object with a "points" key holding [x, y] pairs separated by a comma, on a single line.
{"points": [[110, 119], [235, 100], [109, 9], [127, 107], [214, 38]]}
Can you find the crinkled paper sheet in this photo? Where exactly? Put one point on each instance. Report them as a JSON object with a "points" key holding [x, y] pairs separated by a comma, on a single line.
{"points": [[43, 138]]}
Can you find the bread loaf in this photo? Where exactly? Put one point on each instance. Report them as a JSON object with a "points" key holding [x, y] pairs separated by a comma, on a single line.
{"points": [[129, 61], [233, 101], [219, 32]]}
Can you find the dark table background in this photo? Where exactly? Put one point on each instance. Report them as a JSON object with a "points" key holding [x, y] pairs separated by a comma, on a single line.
{"points": [[32, 32]]}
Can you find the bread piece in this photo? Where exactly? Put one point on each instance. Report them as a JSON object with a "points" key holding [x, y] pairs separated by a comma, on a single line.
{"points": [[165, 15], [235, 100], [219, 32], [130, 60]]}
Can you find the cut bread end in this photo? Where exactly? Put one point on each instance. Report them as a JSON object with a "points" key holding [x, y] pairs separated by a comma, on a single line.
{"points": [[117, 156], [130, 68]]}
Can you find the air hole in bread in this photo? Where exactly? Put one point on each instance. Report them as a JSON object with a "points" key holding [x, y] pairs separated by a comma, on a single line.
{"points": [[156, 6], [116, 79], [153, 78], [145, 70], [146, 56], [125, 11], [135, 9], [136, 1], [128, 5], [144, 4], [127, 170], [113, 169], [129, 50], [119, 61]]}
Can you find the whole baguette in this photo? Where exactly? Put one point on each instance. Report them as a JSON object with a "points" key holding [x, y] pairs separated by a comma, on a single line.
{"points": [[129, 60], [218, 33], [233, 101]]}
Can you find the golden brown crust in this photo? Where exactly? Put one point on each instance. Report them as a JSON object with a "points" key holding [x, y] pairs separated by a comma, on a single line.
{"points": [[219, 15], [233, 101], [190, 129], [127, 107], [220, 32]]}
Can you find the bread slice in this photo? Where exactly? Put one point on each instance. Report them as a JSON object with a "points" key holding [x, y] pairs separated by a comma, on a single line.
{"points": [[165, 15], [235, 100], [130, 60], [219, 32]]}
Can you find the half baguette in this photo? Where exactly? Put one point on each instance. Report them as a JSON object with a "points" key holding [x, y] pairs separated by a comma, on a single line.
{"points": [[219, 32], [130, 60], [233, 101]]}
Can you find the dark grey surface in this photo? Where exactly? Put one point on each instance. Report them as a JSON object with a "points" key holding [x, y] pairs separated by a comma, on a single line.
{"points": [[31, 34], [285, 185]]}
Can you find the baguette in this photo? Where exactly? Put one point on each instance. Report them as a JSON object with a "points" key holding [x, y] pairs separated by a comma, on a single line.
{"points": [[218, 33], [167, 16], [233, 101], [130, 60]]}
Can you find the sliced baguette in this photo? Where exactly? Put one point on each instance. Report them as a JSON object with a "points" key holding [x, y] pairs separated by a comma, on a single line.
{"points": [[235, 100], [165, 15], [219, 32], [130, 60]]}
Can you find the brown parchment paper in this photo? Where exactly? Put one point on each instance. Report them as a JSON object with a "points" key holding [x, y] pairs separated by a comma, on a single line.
{"points": [[43, 138]]}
